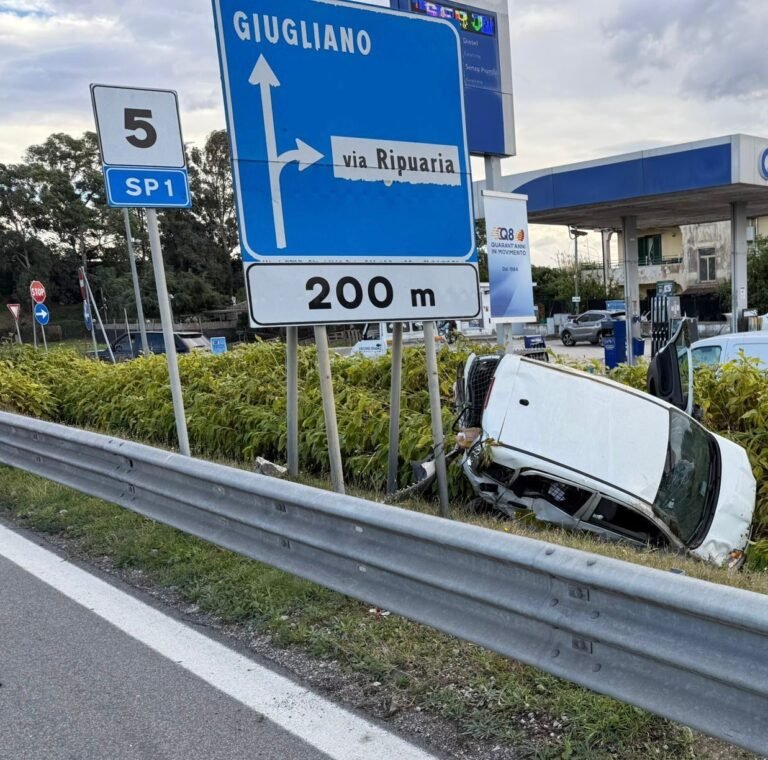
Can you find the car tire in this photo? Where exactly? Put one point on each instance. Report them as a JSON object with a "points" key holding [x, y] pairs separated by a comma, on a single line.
{"points": [[567, 339], [600, 340]]}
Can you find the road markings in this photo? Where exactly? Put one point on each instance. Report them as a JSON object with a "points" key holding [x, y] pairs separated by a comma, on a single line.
{"points": [[340, 734]]}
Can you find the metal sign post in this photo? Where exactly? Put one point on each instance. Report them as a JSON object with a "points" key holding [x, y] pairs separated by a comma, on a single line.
{"points": [[95, 308], [136, 284], [329, 409], [145, 166], [336, 145], [87, 316], [433, 381], [168, 335], [292, 398], [394, 407]]}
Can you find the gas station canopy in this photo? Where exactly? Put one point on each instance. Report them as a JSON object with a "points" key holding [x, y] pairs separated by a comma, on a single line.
{"points": [[682, 184]]}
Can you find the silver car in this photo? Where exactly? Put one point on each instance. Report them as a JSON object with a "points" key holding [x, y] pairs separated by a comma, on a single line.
{"points": [[590, 326]]}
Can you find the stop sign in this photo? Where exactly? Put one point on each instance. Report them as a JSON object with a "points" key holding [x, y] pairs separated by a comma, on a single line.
{"points": [[37, 291]]}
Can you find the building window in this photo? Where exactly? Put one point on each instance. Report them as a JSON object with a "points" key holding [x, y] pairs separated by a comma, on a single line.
{"points": [[707, 265], [649, 250]]}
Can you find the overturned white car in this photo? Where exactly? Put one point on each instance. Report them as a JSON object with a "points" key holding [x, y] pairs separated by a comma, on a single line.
{"points": [[584, 452]]}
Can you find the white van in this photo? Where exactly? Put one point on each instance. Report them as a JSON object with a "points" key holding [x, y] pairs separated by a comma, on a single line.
{"points": [[377, 338], [727, 348]]}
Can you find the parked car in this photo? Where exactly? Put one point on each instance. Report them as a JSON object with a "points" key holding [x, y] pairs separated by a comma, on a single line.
{"points": [[583, 452], [726, 348], [128, 345], [590, 326]]}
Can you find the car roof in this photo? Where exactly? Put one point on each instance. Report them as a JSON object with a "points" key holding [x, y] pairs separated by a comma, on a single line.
{"points": [[719, 340]]}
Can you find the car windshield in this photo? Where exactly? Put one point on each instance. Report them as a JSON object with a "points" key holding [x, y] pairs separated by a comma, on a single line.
{"points": [[688, 486]]}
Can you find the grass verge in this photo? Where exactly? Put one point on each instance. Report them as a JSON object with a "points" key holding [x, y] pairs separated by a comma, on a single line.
{"points": [[488, 696]]}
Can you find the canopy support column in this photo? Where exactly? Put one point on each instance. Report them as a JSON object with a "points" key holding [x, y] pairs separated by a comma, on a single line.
{"points": [[631, 278], [739, 295]]}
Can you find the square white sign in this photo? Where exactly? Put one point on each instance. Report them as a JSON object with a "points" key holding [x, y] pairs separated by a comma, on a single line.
{"points": [[138, 127]]}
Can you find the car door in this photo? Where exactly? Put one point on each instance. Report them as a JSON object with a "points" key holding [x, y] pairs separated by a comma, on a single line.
{"points": [[670, 375], [586, 325], [578, 326]]}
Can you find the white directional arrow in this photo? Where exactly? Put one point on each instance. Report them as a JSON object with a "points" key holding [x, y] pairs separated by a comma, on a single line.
{"points": [[304, 155]]}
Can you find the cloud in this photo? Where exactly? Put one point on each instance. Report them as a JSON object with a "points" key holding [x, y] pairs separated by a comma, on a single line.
{"points": [[713, 48], [51, 50]]}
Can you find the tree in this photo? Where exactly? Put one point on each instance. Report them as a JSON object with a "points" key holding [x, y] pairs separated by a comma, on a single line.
{"points": [[757, 279], [23, 254]]}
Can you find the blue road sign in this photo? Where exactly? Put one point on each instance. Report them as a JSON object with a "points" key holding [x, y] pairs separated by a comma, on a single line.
{"points": [[348, 151], [147, 188], [218, 346], [42, 314], [344, 146], [87, 318]]}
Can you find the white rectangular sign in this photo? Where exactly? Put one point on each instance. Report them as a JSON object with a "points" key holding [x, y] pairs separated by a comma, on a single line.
{"points": [[315, 294], [388, 161], [138, 127], [509, 257]]}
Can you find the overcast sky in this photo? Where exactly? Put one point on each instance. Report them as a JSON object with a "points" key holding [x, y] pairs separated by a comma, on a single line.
{"points": [[592, 78]]}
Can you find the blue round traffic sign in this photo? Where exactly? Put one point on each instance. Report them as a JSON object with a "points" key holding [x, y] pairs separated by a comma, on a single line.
{"points": [[87, 316], [42, 314]]}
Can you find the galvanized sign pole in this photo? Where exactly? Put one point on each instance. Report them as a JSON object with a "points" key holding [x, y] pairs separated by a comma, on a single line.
{"points": [[95, 308], [136, 285], [436, 412], [292, 398], [168, 336], [394, 407], [329, 409]]}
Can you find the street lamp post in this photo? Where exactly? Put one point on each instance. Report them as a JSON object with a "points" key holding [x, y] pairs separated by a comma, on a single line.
{"points": [[574, 233]]}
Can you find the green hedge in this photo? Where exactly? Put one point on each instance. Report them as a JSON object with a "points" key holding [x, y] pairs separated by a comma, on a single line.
{"points": [[236, 405]]}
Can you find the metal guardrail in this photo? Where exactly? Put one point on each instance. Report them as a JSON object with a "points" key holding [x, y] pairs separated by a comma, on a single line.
{"points": [[688, 650]]}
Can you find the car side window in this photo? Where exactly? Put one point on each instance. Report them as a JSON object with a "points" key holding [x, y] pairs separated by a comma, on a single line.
{"points": [[123, 346], [156, 344], [617, 518], [706, 356], [754, 350]]}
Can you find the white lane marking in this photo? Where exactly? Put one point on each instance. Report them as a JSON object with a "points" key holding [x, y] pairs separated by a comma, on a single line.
{"points": [[320, 723]]}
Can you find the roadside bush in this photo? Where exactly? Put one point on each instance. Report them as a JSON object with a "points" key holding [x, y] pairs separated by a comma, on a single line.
{"points": [[236, 406]]}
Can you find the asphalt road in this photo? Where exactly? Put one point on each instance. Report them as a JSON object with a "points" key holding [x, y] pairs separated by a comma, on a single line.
{"points": [[90, 672]]}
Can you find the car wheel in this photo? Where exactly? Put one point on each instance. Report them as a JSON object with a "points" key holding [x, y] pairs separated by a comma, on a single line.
{"points": [[567, 339], [600, 340]]}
